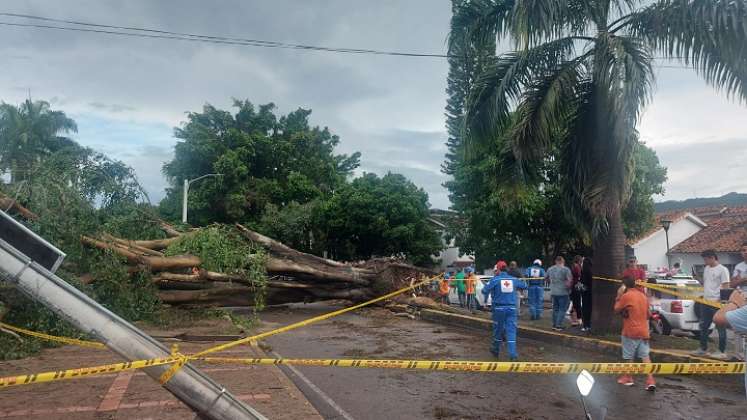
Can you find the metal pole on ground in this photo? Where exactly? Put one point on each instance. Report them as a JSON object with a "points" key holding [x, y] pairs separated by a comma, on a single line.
{"points": [[207, 398]]}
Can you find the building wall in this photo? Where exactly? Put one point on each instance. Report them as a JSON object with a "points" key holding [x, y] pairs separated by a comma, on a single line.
{"points": [[689, 261], [652, 251]]}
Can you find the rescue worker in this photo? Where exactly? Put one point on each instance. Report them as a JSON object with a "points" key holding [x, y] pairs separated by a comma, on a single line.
{"points": [[502, 290], [470, 283], [460, 288], [536, 280]]}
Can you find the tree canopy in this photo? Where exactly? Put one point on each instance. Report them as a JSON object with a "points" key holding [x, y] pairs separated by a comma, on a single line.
{"points": [[263, 160]]}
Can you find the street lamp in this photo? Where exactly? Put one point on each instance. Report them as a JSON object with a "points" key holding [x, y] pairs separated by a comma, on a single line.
{"points": [[187, 183], [666, 224]]}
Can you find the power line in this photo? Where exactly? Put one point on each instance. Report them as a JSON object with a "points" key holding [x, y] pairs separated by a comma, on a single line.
{"points": [[183, 36], [138, 32]]}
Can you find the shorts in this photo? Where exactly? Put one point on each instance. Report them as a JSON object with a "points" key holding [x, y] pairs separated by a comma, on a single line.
{"points": [[635, 348]]}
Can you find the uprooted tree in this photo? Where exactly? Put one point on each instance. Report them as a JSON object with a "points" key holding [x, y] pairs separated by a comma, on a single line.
{"points": [[232, 267]]}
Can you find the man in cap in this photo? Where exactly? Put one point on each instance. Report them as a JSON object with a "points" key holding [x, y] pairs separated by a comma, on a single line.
{"points": [[536, 279], [502, 289]]}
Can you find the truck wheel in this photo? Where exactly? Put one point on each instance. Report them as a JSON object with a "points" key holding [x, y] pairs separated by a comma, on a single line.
{"points": [[661, 326]]}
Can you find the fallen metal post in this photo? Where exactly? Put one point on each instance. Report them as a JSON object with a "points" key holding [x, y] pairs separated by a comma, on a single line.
{"points": [[207, 398]]}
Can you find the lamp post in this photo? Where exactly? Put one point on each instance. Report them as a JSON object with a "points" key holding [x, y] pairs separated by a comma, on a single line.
{"points": [[187, 183], [666, 224]]}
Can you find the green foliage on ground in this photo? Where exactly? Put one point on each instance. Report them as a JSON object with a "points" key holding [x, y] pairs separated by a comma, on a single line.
{"points": [[222, 249]]}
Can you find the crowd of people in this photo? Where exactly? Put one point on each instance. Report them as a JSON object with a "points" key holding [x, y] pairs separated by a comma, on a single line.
{"points": [[570, 290]]}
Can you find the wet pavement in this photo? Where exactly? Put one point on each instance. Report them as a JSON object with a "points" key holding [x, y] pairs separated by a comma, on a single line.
{"points": [[402, 394]]}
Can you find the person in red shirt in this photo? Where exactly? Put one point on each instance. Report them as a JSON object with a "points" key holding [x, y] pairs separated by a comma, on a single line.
{"points": [[634, 271], [632, 304]]}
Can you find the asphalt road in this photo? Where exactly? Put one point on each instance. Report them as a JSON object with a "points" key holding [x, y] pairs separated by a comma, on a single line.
{"points": [[344, 393]]}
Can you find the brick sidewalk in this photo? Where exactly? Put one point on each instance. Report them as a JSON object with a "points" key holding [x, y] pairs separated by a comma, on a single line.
{"points": [[134, 395]]}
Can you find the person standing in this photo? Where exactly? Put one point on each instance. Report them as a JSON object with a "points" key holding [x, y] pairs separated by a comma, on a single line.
{"points": [[560, 282], [715, 278], [502, 290], [734, 315], [460, 289], [470, 283], [739, 282], [632, 304], [536, 279], [443, 289], [587, 274], [575, 292], [633, 270]]}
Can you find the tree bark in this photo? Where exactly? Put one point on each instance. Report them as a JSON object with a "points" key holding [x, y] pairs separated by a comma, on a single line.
{"points": [[11, 204], [153, 263], [609, 260]]}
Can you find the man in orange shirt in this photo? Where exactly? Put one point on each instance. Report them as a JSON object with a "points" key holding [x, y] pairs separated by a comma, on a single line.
{"points": [[470, 283], [632, 304]]}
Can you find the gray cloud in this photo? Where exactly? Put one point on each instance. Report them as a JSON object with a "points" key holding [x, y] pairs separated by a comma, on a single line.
{"points": [[389, 108]]}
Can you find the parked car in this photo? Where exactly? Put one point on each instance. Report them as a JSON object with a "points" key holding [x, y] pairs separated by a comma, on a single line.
{"points": [[481, 304], [673, 313]]}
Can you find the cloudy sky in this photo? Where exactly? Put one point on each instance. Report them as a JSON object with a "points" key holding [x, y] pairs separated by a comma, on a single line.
{"points": [[127, 94]]}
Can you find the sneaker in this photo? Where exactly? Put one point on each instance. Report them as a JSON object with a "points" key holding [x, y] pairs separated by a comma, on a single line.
{"points": [[650, 384], [626, 380], [699, 353], [718, 355]]}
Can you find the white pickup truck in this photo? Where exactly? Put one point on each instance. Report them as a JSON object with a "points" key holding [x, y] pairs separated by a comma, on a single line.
{"points": [[676, 313]]}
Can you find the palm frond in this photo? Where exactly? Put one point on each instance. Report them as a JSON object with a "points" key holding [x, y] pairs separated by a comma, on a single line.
{"points": [[708, 35], [500, 86]]}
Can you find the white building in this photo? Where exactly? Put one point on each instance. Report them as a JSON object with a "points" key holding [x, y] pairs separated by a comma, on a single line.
{"points": [[651, 248], [449, 256]]}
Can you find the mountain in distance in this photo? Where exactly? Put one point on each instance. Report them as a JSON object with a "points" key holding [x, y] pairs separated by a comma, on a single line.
{"points": [[732, 199]]}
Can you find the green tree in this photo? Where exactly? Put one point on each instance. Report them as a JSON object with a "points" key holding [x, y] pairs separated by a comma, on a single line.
{"points": [[579, 76], [379, 217], [639, 215], [28, 133], [264, 160]]}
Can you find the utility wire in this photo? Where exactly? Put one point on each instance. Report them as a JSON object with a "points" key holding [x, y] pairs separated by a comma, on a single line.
{"points": [[183, 36], [138, 32]]}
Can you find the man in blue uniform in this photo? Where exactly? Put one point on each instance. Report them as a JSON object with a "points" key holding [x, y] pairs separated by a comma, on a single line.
{"points": [[536, 275], [502, 290]]}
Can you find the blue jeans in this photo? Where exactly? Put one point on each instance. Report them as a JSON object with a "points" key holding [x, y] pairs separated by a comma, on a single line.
{"points": [[536, 298], [706, 318], [559, 307], [504, 320]]}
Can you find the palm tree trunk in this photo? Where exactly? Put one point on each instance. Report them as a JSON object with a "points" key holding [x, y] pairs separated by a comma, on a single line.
{"points": [[609, 259]]}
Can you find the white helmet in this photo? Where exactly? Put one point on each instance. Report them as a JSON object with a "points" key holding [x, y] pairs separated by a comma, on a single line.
{"points": [[537, 262]]}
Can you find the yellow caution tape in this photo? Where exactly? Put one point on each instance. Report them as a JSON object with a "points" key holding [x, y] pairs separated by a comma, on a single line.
{"points": [[668, 291], [312, 320], [502, 367], [65, 340], [81, 372]]}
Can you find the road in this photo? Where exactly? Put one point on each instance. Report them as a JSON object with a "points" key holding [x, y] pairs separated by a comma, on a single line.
{"points": [[388, 394]]}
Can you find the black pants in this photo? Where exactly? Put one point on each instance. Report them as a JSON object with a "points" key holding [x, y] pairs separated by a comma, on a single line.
{"points": [[576, 301], [586, 308]]}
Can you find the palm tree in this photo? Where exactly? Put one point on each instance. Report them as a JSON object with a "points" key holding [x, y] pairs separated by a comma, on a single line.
{"points": [[575, 85], [28, 133]]}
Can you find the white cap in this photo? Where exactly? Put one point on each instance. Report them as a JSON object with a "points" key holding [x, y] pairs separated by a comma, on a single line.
{"points": [[537, 262]]}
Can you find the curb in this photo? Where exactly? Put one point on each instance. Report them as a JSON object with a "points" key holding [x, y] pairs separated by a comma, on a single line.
{"points": [[573, 341]]}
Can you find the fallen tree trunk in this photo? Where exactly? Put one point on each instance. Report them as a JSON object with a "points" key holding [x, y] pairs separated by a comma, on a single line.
{"points": [[7, 203], [294, 276], [154, 263]]}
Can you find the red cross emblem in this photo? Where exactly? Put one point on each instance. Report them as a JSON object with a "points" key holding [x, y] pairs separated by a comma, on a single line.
{"points": [[506, 283]]}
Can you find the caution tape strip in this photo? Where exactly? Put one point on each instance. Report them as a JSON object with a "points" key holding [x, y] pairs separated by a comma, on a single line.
{"points": [[434, 365], [65, 340], [81, 372], [654, 286], [501, 367]]}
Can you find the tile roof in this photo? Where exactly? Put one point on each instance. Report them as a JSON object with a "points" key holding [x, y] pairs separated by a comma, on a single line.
{"points": [[673, 216], [725, 233]]}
